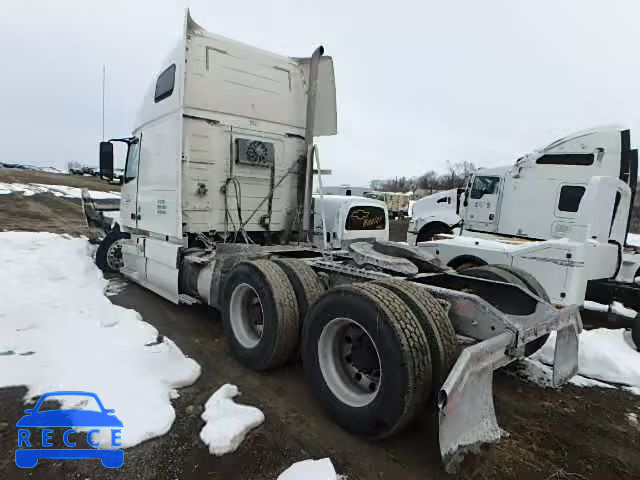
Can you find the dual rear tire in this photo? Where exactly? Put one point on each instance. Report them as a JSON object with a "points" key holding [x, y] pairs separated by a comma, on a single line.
{"points": [[367, 359], [264, 306], [260, 314], [374, 353]]}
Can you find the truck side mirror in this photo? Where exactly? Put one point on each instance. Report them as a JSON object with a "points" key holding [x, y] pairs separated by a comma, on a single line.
{"points": [[106, 160]]}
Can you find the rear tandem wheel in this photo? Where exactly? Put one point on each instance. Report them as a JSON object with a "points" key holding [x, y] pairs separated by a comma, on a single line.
{"points": [[366, 358], [441, 336], [260, 314]]}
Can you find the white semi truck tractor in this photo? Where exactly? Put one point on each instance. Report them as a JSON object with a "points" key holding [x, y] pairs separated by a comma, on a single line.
{"points": [[217, 208], [561, 213]]}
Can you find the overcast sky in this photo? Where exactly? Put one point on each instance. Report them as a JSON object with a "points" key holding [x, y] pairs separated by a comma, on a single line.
{"points": [[418, 82]]}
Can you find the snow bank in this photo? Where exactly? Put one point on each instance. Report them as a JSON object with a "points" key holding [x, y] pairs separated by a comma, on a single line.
{"points": [[634, 239], [57, 190], [226, 422], [616, 307], [604, 355], [50, 169], [310, 470], [59, 332]]}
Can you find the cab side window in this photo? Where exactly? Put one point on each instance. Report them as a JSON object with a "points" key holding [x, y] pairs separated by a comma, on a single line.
{"points": [[484, 186]]}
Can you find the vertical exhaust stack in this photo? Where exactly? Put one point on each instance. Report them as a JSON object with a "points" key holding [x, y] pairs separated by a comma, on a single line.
{"points": [[633, 183], [308, 140]]}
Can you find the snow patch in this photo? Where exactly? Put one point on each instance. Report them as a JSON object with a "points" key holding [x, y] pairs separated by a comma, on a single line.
{"points": [[115, 286], [633, 419], [542, 375], [634, 239], [536, 372], [58, 331], [310, 470], [227, 423], [616, 307], [29, 189], [604, 355]]}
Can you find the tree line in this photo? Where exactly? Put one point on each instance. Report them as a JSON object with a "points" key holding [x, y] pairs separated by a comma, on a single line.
{"points": [[453, 178]]}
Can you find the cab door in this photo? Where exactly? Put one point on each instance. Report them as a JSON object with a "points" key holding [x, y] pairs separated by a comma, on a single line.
{"points": [[482, 203], [129, 190]]}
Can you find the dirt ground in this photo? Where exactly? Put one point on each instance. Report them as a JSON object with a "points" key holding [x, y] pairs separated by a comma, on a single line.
{"points": [[570, 433], [398, 230], [17, 175], [46, 212]]}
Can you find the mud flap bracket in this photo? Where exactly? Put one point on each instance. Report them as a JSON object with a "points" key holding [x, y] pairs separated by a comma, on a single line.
{"points": [[465, 402], [565, 359]]}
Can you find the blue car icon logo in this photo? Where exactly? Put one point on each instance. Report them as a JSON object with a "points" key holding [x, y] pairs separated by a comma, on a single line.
{"points": [[70, 419]]}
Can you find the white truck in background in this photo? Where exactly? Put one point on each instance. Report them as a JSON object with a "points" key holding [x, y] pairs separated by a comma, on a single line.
{"points": [[433, 215], [348, 219], [217, 208], [561, 213], [397, 203]]}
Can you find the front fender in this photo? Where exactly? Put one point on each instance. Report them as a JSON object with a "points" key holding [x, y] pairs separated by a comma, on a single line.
{"points": [[418, 223], [414, 228]]}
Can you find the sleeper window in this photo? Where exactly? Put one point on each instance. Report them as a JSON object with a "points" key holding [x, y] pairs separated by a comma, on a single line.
{"points": [[570, 197], [582, 159], [166, 82]]}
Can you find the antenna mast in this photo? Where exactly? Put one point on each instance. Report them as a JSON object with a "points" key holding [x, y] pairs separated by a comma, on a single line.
{"points": [[104, 74]]}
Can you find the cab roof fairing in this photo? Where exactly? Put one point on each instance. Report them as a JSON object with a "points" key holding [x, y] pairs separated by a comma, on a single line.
{"points": [[528, 160], [580, 134], [326, 114]]}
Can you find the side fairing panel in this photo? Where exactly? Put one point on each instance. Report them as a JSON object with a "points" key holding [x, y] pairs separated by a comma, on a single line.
{"points": [[159, 177]]}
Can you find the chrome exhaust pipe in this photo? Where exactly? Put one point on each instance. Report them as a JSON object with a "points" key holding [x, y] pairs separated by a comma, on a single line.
{"points": [[308, 141]]}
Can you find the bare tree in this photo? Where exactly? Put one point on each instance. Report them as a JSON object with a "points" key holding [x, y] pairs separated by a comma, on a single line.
{"points": [[431, 180]]}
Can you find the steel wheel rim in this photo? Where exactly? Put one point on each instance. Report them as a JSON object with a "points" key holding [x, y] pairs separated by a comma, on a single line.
{"points": [[114, 255], [246, 315], [351, 384]]}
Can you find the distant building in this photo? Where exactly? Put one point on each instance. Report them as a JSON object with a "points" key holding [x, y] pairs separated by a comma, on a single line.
{"points": [[348, 190]]}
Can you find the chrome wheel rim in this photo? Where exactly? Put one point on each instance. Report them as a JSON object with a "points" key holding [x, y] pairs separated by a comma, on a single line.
{"points": [[114, 255], [349, 362], [246, 315]]}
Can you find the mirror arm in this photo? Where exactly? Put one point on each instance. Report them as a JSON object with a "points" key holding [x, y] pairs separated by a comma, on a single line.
{"points": [[127, 140]]}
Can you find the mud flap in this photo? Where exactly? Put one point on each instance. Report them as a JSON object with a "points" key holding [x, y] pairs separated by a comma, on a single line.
{"points": [[565, 358], [466, 413]]}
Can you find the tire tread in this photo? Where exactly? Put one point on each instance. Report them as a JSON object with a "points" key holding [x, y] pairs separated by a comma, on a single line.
{"points": [[441, 336], [414, 345], [311, 284], [286, 307]]}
